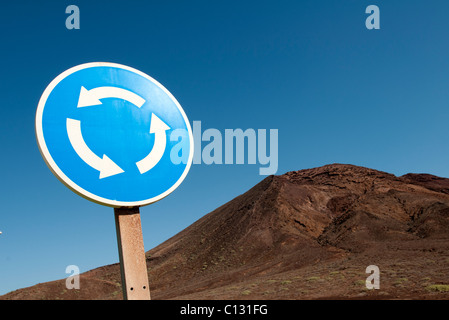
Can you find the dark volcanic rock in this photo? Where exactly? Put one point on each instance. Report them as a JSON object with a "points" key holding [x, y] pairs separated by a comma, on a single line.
{"points": [[428, 181], [302, 235]]}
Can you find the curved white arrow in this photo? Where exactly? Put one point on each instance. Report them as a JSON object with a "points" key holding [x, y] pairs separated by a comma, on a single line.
{"points": [[106, 166], [158, 127], [92, 97]]}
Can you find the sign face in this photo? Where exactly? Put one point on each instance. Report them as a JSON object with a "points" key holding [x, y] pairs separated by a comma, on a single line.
{"points": [[104, 130]]}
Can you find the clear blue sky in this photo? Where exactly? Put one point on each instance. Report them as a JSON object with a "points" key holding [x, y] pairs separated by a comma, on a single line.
{"points": [[336, 92]]}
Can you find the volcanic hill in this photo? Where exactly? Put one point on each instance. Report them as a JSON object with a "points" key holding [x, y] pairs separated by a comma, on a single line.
{"points": [[307, 234]]}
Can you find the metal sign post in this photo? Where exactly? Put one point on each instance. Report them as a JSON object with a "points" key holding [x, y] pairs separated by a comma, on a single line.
{"points": [[133, 266]]}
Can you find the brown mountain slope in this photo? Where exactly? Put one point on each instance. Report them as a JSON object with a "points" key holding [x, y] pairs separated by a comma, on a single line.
{"points": [[302, 235]]}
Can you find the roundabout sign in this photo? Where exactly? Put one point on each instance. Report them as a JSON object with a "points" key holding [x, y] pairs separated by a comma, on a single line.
{"points": [[103, 130]]}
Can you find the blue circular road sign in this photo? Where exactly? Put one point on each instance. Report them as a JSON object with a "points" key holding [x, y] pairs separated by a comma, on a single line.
{"points": [[104, 130]]}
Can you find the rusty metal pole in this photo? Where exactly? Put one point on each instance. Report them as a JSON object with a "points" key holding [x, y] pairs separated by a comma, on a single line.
{"points": [[133, 265]]}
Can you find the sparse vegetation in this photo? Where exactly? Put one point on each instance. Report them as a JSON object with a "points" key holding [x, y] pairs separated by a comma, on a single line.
{"points": [[360, 283], [246, 292], [438, 288], [313, 278], [401, 280]]}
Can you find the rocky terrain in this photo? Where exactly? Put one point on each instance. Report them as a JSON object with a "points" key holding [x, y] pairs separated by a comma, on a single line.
{"points": [[307, 234]]}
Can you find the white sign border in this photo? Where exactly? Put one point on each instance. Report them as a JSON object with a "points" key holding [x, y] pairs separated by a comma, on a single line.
{"points": [[68, 182]]}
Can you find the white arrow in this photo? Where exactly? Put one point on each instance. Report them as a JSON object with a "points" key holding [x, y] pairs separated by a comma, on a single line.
{"points": [[158, 127], [92, 97], [106, 166]]}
